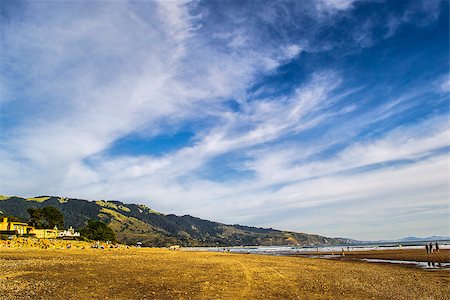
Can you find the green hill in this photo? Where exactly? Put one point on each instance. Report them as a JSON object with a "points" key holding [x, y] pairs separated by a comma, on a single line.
{"points": [[136, 222]]}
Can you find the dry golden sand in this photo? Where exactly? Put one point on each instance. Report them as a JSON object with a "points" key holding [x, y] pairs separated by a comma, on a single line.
{"points": [[164, 274]]}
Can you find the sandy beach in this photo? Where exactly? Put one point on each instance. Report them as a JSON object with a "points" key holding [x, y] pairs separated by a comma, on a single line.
{"points": [[164, 274]]}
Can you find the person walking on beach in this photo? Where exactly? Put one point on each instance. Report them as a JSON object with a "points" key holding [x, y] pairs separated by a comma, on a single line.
{"points": [[437, 247], [426, 247], [431, 248]]}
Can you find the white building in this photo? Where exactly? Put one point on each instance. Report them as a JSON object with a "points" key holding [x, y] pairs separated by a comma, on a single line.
{"points": [[69, 233]]}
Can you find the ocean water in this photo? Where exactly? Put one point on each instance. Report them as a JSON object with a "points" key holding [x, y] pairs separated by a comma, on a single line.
{"points": [[288, 250]]}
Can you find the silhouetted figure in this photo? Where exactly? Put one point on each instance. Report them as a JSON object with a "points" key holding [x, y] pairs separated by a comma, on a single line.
{"points": [[431, 248], [437, 247], [426, 247]]}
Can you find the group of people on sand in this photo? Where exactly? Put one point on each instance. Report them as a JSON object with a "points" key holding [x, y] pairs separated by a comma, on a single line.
{"points": [[429, 248]]}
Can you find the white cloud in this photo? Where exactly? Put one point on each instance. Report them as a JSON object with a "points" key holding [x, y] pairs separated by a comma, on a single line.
{"points": [[419, 13], [376, 197], [445, 84], [284, 189], [103, 72], [292, 51], [334, 5]]}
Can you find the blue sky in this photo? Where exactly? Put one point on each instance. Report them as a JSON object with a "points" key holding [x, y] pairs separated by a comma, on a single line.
{"points": [[327, 116]]}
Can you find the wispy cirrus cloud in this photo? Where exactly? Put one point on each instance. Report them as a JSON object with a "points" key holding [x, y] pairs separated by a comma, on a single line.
{"points": [[280, 131]]}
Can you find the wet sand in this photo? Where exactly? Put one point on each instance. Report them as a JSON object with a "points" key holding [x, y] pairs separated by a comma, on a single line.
{"points": [[401, 254], [165, 274]]}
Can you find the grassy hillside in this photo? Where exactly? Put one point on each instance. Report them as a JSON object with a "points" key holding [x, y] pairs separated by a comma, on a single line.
{"points": [[133, 223]]}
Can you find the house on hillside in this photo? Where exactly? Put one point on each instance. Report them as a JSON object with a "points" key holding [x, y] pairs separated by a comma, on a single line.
{"points": [[46, 233], [21, 228], [13, 227]]}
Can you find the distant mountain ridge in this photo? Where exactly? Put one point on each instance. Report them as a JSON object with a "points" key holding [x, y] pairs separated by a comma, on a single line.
{"points": [[137, 222], [410, 239], [421, 239]]}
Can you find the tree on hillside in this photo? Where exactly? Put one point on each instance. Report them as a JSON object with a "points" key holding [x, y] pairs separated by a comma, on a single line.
{"points": [[46, 217], [98, 231], [53, 216], [35, 217]]}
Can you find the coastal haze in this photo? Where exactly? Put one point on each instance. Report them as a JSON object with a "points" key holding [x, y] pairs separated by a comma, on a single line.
{"points": [[328, 117]]}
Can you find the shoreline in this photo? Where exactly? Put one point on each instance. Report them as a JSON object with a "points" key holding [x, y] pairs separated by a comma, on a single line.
{"points": [[400, 254], [415, 258], [412, 259]]}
